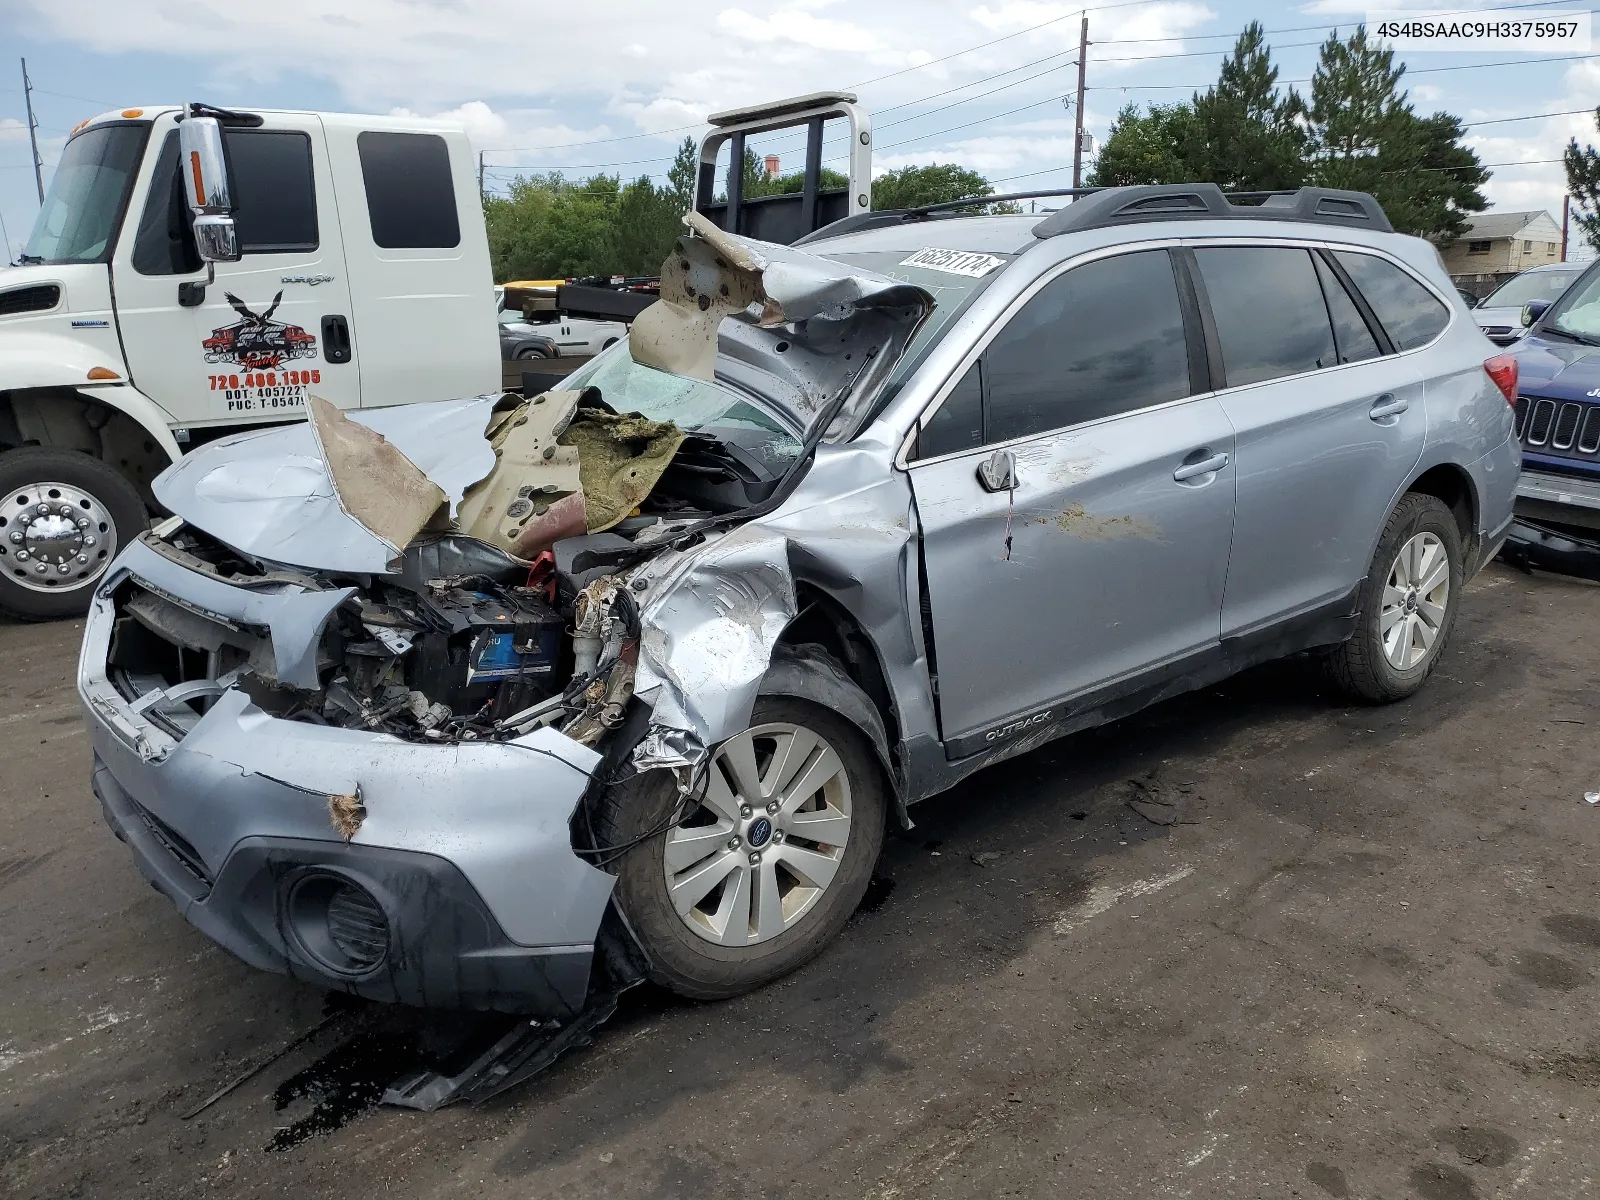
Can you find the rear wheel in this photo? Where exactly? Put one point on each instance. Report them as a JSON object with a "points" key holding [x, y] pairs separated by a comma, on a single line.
{"points": [[63, 517], [1408, 603], [531, 352], [770, 864]]}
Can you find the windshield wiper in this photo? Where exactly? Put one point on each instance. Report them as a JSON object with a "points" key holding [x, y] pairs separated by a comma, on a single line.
{"points": [[30, 260], [1583, 339]]}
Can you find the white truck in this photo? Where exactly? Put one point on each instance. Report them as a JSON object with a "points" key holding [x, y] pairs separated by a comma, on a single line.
{"points": [[195, 271]]}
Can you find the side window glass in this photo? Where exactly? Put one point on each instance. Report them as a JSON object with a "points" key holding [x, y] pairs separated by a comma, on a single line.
{"points": [[411, 195], [958, 423], [1102, 339], [1270, 316], [1410, 313], [274, 194], [163, 244], [1355, 340]]}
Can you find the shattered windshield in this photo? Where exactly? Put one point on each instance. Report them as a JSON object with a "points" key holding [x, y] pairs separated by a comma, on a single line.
{"points": [[88, 195], [691, 404]]}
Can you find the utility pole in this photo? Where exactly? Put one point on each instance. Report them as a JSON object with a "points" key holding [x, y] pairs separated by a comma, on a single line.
{"points": [[480, 175], [1077, 135], [1566, 213], [33, 132]]}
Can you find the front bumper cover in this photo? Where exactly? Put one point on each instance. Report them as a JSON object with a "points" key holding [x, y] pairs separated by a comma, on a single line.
{"points": [[466, 847]]}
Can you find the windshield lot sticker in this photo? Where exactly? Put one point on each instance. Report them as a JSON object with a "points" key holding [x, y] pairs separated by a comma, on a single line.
{"points": [[953, 262], [261, 346]]}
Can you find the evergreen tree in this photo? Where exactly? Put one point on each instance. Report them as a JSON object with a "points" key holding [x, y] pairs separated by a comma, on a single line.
{"points": [[1146, 148], [910, 187], [1244, 136], [1583, 181], [1364, 136], [681, 175]]}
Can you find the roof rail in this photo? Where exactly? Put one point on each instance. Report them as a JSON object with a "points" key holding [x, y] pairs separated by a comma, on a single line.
{"points": [[1208, 202], [856, 222]]}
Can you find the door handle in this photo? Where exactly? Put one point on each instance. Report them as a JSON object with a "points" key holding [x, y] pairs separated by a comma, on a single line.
{"points": [[998, 472], [1204, 467], [1387, 405], [335, 339]]}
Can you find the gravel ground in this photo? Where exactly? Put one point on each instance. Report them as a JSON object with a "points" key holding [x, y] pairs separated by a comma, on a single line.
{"points": [[1250, 943]]}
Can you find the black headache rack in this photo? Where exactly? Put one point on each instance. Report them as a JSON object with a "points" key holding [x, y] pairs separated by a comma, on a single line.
{"points": [[1100, 208]]}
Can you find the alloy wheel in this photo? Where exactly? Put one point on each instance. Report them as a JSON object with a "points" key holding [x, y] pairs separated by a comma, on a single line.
{"points": [[1416, 597]]}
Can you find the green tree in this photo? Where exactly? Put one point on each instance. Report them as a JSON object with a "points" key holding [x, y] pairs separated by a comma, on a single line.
{"points": [[1583, 181], [936, 183], [1146, 147], [681, 175], [1244, 136], [1364, 135], [644, 225]]}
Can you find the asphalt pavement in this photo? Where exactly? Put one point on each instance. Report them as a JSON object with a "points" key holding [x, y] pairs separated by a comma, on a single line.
{"points": [[1252, 942]]}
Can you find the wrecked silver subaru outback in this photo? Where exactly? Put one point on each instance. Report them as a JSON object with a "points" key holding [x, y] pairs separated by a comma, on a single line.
{"points": [[462, 704]]}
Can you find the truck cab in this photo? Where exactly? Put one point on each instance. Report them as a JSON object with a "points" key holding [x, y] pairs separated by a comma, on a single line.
{"points": [[354, 265]]}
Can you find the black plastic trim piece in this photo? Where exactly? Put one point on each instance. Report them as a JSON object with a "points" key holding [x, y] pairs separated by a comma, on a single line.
{"points": [[1208, 202]]}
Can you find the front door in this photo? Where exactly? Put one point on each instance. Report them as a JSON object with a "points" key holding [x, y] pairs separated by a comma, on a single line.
{"points": [[273, 327], [1106, 557]]}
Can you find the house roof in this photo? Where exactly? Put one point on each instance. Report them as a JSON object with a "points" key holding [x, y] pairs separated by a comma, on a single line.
{"points": [[1502, 225]]}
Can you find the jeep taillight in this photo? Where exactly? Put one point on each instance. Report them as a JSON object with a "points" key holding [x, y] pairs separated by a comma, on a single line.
{"points": [[1502, 368]]}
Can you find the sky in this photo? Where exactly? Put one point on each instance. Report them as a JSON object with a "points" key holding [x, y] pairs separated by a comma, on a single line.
{"points": [[615, 85]]}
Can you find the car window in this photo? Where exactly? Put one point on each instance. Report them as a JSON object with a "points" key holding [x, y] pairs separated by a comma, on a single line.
{"points": [[1101, 339], [1530, 285], [1354, 340], [957, 424], [273, 191], [1269, 312], [1412, 315], [411, 196]]}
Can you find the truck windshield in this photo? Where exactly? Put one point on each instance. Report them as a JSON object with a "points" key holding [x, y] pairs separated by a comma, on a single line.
{"points": [[1530, 285], [88, 195]]}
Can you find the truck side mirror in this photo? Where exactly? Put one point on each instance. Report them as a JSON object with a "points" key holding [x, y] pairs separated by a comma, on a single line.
{"points": [[204, 172], [1533, 310]]}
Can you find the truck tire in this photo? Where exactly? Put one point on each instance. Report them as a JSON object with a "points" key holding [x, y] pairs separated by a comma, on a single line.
{"points": [[778, 889], [1408, 604], [63, 518]]}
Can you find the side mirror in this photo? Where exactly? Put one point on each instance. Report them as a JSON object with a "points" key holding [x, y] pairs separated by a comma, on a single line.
{"points": [[998, 472], [1533, 310], [204, 172]]}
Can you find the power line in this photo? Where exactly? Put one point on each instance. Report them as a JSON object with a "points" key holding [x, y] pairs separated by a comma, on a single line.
{"points": [[1530, 117]]}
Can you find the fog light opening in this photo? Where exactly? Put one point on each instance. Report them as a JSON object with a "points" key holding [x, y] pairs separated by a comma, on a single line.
{"points": [[338, 924]]}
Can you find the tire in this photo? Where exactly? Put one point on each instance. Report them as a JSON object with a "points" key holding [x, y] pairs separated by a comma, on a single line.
{"points": [[684, 955], [1369, 668], [531, 352], [94, 493], [610, 342]]}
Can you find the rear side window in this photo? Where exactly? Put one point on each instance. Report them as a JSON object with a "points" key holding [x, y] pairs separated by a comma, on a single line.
{"points": [[411, 196], [1350, 332], [1411, 314], [1101, 339], [1269, 312]]}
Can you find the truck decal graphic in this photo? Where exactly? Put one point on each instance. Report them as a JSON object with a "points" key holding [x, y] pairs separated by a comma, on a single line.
{"points": [[258, 343]]}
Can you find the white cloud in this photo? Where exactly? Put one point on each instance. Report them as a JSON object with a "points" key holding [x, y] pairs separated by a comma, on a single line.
{"points": [[1542, 183], [12, 130]]}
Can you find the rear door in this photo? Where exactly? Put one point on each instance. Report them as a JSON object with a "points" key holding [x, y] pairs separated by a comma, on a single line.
{"points": [[253, 347], [1106, 559], [1329, 424]]}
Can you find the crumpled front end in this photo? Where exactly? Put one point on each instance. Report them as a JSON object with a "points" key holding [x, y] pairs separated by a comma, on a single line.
{"points": [[351, 703]]}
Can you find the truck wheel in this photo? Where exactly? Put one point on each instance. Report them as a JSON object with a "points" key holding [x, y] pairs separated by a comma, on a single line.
{"points": [[767, 869], [1408, 604], [63, 517]]}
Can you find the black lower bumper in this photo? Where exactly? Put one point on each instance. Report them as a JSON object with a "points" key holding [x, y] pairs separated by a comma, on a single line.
{"points": [[1564, 551], [444, 947]]}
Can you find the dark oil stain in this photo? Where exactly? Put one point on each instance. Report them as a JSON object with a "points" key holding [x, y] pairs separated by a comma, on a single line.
{"points": [[1549, 970], [1078, 816], [1329, 1179], [344, 1083], [876, 894], [1478, 1146], [1435, 1181], [1394, 956], [1575, 929]]}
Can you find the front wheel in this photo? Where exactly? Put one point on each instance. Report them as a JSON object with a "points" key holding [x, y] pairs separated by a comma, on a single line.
{"points": [[1408, 604], [63, 517], [757, 877], [531, 352]]}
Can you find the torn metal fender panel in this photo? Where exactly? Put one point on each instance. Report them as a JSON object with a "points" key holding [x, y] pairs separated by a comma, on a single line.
{"points": [[706, 639], [714, 274], [269, 495], [294, 617]]}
